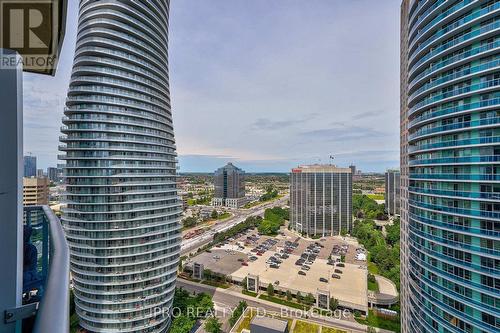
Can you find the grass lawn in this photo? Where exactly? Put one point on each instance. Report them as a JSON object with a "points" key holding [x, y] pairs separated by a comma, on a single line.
{"points": [[284, 302], [249, 293], [245, 322], [373, 286], [326, 329], [372, 268], [216, 284], [223, 216], [388, 324], [376, 196], [305, 327]]}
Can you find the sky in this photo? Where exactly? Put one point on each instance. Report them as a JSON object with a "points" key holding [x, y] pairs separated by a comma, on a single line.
{"points": [[265, 84]]}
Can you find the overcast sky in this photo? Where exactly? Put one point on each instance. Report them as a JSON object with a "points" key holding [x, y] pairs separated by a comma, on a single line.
{"points": [[266, 84]]}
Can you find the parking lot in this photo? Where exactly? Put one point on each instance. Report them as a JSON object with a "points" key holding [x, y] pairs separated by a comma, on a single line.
{"points": [[293, 263]]}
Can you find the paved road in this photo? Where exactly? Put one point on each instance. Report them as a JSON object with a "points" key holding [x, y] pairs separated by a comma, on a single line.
{"points": [[239, 216], [225, 299]]}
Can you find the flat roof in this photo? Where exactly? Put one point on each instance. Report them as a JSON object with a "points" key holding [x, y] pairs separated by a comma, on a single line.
{"points": [[268, 322], [327, 168], [350, 289]]}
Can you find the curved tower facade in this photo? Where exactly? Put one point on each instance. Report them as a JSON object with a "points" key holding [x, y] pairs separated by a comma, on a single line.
{"points": [[122, 215], [450, 171]]}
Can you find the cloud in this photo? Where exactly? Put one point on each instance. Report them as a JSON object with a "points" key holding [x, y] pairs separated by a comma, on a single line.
{"points": [[243, 89], [343, 132], [269, 124]]}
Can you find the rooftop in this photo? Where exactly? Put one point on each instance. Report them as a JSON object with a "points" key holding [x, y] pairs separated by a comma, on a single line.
{"points": [[270, 323], [313, 168]]}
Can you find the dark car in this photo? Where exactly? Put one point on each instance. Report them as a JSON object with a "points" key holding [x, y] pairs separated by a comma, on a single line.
{"points": [[338, 271], [335, 276], [340, 264], [302, 273], [274, 266], [323, 279]]}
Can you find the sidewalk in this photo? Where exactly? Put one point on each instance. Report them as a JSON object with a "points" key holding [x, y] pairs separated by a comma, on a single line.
{"points": [[341, 324]]}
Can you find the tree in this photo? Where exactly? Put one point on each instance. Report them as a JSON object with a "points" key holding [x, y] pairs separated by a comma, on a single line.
{"points": [[270, 289], [207, 274], [244, 283], [213, 325], [298, 296], [182, 324], [189, 222], [334, 303], [214, 214], [237, 313], [288, 295], [309, 299]]}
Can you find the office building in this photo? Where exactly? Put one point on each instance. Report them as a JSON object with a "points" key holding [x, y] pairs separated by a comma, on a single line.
{"points": [[353, 171], [35, 191], [40, 173], [29, 166], [122, 219], [53, 174], [321, 200], [450, 172], [392, 192], [229, 183]]}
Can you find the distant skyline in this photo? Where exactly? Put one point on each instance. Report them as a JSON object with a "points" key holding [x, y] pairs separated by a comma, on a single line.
{"points": [[265, 85]]}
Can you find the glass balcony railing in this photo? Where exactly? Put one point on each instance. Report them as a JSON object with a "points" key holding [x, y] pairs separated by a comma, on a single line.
{"points": [[462, 194], [46, 270], [455, 126], [457, 210], [456, 160], [459, 108], [468, 37], [450, 60], [453, 227], [456, 75], [454, 143], [456, 92], [455, 176]]}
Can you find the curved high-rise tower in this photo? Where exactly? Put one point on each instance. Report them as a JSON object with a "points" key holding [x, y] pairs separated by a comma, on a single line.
{"points": [[122, 215], [450, 166]]}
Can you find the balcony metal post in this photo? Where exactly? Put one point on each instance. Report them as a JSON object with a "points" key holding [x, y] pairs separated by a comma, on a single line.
{"points": [[45, 246], [11, 191]]}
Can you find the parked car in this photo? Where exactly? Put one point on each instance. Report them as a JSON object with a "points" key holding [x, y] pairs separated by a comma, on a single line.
{"points": [[274, 266], [338, 271], [305, 267], [241, 259], [322, 279], [335, 276], [302, 273], [244, 264], [340, 264]]}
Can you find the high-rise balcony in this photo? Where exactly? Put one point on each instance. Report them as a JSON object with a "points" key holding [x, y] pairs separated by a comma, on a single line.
{"points": [[45, 286]]}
